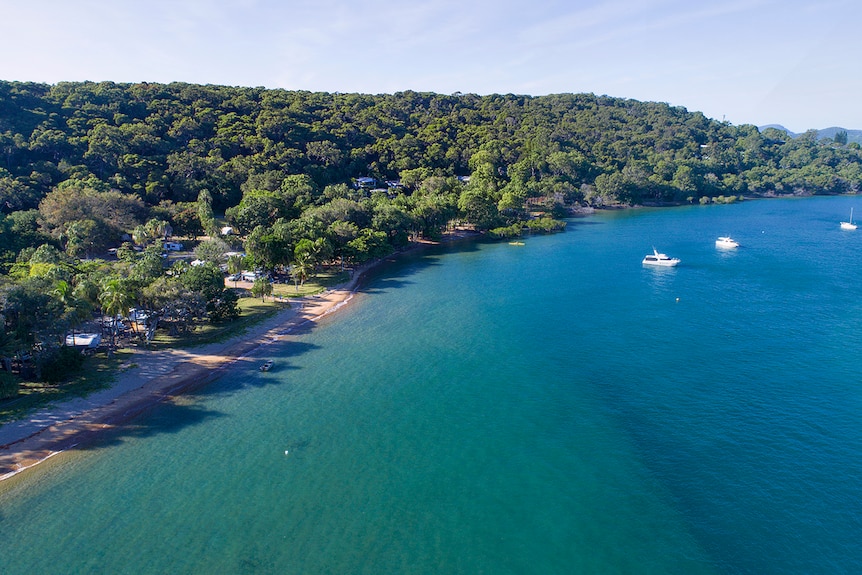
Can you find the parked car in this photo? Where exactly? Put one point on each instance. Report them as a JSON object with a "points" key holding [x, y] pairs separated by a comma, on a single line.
{"points": [[233, 278]]}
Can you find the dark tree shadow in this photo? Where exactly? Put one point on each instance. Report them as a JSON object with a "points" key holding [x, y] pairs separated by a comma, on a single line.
{"points": [[156, 419]]}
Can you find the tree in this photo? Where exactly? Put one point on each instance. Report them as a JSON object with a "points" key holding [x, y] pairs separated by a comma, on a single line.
{"points": [[158, 228], [205, 212], [433, 210], [174, 305], [234, 265], [257, 208], [341, 233], [270, 247], [224, 307], [16, 195], [261, 287], [73, 313], [368, 245], [314, 252], [478, 208], [69, 204], [186, 220], [206, 280], [86, 238], [141, 235], [149, 265], [116, 299], [301, 268], [299, 191], [213, 251], [33, 314], [392, 220]]}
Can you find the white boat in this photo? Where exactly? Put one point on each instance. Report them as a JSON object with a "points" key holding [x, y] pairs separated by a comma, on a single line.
{"points": [[726, 243], [267, 365], [659, 259], [849, 225]]}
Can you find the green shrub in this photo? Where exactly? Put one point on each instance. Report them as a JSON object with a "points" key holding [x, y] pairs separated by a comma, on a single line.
{"points": [[545, 225], [9, 385], [512, 231], [224, 308], [60, 363]]}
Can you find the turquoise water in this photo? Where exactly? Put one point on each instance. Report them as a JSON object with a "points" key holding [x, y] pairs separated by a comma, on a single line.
{"points": [[487, 408]]}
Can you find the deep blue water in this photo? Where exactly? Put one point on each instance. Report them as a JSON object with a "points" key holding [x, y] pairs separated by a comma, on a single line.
{"points": [[486, 408]]}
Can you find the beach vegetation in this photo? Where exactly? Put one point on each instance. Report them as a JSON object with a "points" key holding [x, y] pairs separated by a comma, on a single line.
{"points": [[9, 385], [224, 307], [57, 363], [513, 231], [322, 281], [261, 288], [96, 373], [301, 268], [545, 225], [250, 311]]}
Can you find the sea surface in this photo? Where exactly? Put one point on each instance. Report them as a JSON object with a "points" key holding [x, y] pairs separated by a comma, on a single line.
{"points": [[551, 408]]}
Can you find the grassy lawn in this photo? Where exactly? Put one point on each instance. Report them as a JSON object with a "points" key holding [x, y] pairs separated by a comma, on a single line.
{"points": [[321, 282], [252, 312], [318, 284], [98, 372]]}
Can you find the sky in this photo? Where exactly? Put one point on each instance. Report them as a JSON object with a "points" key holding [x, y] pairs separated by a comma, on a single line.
{"points": [[790, 62]]}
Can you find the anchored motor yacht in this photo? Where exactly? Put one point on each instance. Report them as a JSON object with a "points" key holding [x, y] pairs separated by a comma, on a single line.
{"points": [[659, 259], [726, 242]]}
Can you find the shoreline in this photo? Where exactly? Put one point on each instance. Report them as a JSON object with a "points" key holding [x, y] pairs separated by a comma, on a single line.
{"points": [[155, 378], [158, 377]]}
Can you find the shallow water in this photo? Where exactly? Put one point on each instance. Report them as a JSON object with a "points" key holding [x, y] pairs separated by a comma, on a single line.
{"points": [[548, 408]]}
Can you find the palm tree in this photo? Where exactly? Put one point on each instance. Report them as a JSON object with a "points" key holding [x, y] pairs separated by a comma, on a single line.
{"points": [[141, 235], [302, 268], [115, 300], [157, 228], [63, 291]]}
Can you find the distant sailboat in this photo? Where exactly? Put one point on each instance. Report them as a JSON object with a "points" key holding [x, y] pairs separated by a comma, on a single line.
{"points": [[849, 225]]}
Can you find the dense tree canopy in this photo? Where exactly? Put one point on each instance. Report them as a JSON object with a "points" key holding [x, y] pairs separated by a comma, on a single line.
{"points": [[306, 179], [171, 142]]}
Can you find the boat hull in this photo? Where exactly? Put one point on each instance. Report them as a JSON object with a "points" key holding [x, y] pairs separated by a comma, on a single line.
{"points": [[661, 264], [726, 243], [660, 260]]}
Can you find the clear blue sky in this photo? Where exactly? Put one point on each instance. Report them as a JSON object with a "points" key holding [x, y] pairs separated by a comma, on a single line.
{"points": [[790, 62]]}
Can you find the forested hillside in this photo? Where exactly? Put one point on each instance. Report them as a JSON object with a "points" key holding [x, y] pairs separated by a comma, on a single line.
{"points": [[308, 178], [170, 142]]}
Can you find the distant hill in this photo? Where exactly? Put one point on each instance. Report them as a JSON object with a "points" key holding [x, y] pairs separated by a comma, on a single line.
{"points": [[852, 135]]}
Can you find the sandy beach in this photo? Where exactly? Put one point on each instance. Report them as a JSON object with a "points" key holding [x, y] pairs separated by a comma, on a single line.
{"points": [[151, 377]]}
